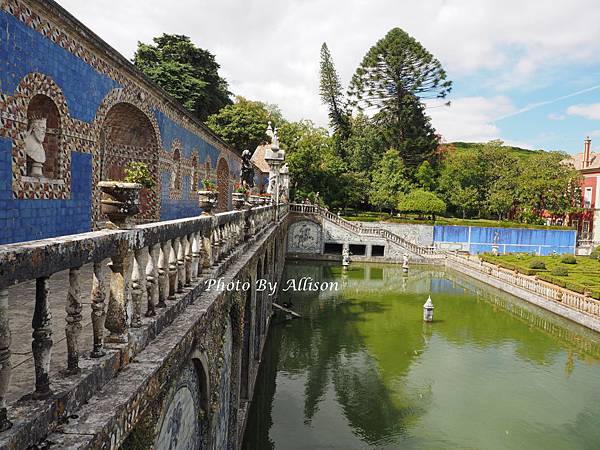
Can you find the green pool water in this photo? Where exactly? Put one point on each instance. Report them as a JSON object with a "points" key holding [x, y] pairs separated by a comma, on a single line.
{"points": [[361, 370]]}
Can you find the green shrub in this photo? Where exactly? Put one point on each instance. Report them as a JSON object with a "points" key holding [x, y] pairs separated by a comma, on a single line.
{"points": [[138, 172], [568, 259], [595, 253], [560, 271], [537, 264]]}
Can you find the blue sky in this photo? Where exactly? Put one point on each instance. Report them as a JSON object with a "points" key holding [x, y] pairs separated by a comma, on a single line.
{"points": [[504, 56]]}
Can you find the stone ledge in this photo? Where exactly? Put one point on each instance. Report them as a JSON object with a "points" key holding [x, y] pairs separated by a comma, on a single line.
{"points": [[561, 310]]}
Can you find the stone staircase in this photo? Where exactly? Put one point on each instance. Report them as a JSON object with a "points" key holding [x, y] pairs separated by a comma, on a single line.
{"points": [[370, 231]]}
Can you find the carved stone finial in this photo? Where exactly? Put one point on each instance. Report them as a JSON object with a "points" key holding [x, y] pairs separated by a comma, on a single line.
{"points": [[34, 148], [275, 140]]}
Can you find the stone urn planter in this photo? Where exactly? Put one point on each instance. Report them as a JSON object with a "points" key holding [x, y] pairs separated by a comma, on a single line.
{"points": [[120, 201], [238, 199], [207, 200]]}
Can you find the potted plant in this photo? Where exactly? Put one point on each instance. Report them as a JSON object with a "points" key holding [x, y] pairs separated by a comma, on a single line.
{"points": [[239, 195], [207, 197], [121, 199]]}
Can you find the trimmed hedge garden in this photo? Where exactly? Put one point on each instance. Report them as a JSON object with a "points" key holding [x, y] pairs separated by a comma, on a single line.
{"points": [[576, 273]]}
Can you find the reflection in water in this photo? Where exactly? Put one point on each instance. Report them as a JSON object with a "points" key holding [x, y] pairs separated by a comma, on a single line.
{"points": [[362, 370]]}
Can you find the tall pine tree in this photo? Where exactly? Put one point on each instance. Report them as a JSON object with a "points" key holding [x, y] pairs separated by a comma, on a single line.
{"points": [[392, 79], [332, 95]]}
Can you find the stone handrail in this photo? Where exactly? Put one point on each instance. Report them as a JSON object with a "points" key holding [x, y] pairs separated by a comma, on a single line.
{"points": [[549, 291], [353, 227], [148, 265]]}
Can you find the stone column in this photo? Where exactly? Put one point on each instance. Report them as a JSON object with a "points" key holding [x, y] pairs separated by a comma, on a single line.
{"points": [[137, 276], [41, 345], [73, 327], [181, 249], [5, 366], [98, 313], [163, 273], [116, 315], [195, 247], [152, 290], [188, 259], [173, 269]]}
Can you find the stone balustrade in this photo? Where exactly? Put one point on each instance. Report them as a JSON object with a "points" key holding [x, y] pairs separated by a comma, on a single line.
{"points": [[549, 291], [373, 231], [149, 264]]}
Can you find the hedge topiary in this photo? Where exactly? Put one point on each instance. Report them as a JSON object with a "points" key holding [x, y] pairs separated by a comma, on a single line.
{"points": [[560, 271], [568, 259], [537, 264]]}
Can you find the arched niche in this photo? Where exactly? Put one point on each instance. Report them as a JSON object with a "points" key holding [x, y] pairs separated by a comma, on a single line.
{"points": [[44, 122], [126, 135]]}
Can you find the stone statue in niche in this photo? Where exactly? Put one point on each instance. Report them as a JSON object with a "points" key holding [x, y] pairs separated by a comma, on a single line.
{"points": [[173, 185], [247, 174], [34, 148]]}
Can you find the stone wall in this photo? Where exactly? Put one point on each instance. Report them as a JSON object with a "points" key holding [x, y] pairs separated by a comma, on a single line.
{"points": [[100, 114], [417, 234]]}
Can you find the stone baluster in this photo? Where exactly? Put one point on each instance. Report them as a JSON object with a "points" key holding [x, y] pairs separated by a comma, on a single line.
{"points": [[163, 273], [116, 314], [181, 245], [41, 345], [224, 240], [207, 256], [5, 366], [188, 259], [214, 246], [196, 255], [98, 313], [73, 319], [173, 269], [152, 289], [137, 276]]}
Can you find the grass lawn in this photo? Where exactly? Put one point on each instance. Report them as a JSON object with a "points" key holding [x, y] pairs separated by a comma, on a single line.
{"points": [[584, 276], [372, 216]]}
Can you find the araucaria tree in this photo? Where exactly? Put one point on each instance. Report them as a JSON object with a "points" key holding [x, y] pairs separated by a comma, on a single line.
{"points": [[332, 96], [395, 75], [190, 74]]}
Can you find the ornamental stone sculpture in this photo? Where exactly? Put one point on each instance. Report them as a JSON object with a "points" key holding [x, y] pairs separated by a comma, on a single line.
{"points": [[34, 147], [247, 174]]}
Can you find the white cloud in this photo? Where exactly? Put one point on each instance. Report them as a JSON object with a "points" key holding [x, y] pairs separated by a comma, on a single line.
{"points": [[589, 111], [270, 50], [554, 116], [469, 118]]}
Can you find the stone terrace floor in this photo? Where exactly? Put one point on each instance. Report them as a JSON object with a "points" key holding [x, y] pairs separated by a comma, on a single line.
{"points": [[21, 304]]}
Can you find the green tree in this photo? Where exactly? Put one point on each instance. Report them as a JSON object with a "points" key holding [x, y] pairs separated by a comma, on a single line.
{"points": [[460, 177], [388, 181], [332, 96], [243, 124], [365, 145], [426, 176], [548, 184], [422, 202], [188, 73], [392, 79]]}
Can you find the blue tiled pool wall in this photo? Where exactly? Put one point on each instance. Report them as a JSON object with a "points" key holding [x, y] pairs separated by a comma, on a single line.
{"points": [[509, 240]]}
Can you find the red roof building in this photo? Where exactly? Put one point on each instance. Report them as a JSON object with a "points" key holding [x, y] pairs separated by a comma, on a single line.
{"points": [[588, 222]]}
